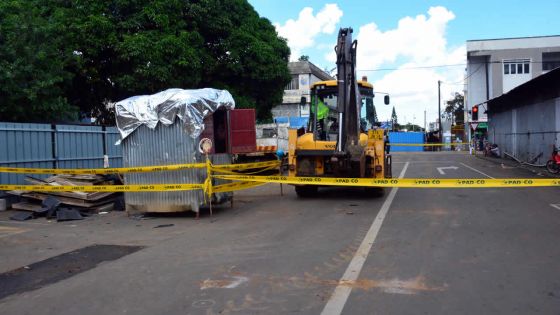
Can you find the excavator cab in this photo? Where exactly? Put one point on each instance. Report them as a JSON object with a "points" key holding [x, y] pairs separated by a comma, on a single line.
{"points": [[325, 119]]}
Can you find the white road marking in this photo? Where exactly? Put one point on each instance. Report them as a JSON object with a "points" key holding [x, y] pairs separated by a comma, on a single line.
{"points": [[417, 162], [555, 205], [474, 169], [440, 169], [338, 299]]}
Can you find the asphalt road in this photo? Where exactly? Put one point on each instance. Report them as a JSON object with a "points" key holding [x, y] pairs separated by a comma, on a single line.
{"points": [[410, 251]]}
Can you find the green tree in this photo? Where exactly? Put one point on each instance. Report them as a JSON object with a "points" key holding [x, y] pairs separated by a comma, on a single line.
{"points": [[375, 119], [102, 51], [33, 77], [303, 58], [454, 110]]}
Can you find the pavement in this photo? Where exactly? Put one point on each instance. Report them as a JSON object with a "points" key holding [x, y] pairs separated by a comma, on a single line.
{"points": [[505, 162], [410, 251]]}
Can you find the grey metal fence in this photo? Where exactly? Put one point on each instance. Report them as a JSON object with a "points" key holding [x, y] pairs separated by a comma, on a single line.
{"points": [[56, 146]]}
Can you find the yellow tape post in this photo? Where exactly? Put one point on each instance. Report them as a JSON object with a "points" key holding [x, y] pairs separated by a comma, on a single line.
{"points": [[100, 171], [403, 182], [105, 188]]}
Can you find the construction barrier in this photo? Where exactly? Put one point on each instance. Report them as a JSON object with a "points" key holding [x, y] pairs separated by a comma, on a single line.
{"points": [[246, 180], [104, 188], [138, 169], [401, 182], [101, 171], [206, 186]]}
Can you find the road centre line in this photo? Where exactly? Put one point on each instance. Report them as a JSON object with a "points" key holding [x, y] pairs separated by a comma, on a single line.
{"points": [[340, 295], [474, 169]]}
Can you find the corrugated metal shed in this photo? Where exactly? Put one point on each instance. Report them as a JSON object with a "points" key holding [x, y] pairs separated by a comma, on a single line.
{"points": [[166, 145]]}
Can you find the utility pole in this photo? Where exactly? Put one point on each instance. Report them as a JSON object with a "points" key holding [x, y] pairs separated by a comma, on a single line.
{"points": [[439, 110], [424, 120]]}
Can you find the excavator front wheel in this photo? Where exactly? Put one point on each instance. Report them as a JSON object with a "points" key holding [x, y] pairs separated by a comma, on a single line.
{"points": [[306, 191]]}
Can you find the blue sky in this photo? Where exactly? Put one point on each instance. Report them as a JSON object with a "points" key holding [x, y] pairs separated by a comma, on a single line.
{"points": [[403, 34]]}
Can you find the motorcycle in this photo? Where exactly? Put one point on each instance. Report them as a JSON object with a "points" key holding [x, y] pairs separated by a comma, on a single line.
{"points": [[553, 165]]}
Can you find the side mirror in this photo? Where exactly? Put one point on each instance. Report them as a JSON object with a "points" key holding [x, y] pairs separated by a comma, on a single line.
{"points": [[303, 100], [386, 99]]}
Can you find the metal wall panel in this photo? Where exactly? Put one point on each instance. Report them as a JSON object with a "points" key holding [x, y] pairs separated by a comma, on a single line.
{"points": [[25, 145], [527, 133], [163, 146], [243, 137], [79, 146], [406, 137], [65, 146]]}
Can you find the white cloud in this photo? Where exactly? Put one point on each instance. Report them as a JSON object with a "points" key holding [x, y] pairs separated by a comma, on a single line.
{"points": [[416, 42], [301, 33]]}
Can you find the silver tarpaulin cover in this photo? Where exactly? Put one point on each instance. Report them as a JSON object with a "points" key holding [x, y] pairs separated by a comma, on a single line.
{"points": [[191, 106]]}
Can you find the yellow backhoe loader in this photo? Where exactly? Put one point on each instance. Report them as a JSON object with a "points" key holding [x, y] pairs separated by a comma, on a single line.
{"points": [[341, 139]]}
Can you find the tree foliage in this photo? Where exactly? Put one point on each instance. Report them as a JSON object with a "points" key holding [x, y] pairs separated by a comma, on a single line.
{"points": [[303, 58], [454, 109], [394, 119], [61, 56]]}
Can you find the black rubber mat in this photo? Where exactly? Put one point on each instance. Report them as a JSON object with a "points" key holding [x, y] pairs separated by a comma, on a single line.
{"points": [[59, 267]]}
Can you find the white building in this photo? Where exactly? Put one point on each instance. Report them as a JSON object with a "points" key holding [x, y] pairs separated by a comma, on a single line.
{"points": [[496, 66], [304, 74]]}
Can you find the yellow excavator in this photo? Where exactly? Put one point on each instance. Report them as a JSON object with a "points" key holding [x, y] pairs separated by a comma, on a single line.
{"points": [[340, 140]]}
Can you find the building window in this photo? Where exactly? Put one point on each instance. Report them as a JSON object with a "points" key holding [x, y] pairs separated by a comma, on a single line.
{"points": [[550, 61], [520, 66], [294, 84]]}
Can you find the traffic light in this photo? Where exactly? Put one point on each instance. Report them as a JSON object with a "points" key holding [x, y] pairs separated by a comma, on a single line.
{"points": [[475, 113]]}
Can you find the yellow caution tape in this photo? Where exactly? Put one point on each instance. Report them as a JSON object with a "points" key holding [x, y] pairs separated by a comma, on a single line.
{"points": [[424, 144], [235, 186], [105, 188], [223, 171], [245, 166], [138, 169], [403, 182], [99, 171]]}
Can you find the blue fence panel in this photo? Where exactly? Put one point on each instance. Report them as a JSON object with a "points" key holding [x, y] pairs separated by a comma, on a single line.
{"points": [[406, 137], [298, 122], [65, 146], [294, 122], [79, 146], [25, 145]]}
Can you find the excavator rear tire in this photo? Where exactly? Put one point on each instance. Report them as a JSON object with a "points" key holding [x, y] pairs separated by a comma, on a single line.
{"points": [[306, 191]]}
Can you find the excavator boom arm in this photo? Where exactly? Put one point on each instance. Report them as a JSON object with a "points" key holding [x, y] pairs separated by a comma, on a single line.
{"points": [[348, 93]]}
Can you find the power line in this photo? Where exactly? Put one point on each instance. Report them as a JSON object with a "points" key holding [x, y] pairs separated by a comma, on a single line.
{"points": [[467, 77], [412, 68]]}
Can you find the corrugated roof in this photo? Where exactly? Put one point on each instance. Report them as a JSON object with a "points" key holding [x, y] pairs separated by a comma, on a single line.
{"points": [[545, 86], [302, 67]]}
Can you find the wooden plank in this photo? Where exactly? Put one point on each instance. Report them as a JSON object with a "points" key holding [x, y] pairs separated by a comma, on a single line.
{"points": [[27, 206], [92, 196], [69, 201]]}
